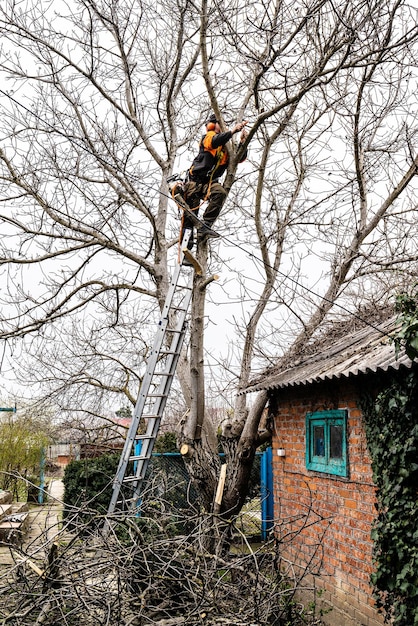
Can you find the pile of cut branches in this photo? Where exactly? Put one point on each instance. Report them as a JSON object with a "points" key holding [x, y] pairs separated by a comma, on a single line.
{"points": [[143, 572]]}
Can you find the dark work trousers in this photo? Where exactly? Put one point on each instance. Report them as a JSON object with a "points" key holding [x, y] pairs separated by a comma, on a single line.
{"points": [[195, 193]]}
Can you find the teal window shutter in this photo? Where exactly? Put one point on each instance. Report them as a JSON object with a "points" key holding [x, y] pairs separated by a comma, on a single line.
{"points": [[326, 442]]}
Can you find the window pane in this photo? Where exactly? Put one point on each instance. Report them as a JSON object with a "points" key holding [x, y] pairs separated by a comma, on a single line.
{"points": [[336, 442], [319, 444], [326, 442]]}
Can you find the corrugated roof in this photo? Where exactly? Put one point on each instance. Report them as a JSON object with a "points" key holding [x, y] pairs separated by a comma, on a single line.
{"points": [[367, 350]]}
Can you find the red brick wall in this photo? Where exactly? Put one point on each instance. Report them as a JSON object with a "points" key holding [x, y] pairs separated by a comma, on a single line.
{"points": [[326, 520]]}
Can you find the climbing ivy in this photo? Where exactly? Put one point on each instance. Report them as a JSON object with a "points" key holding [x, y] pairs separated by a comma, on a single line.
{"points": [[391, 422], [407, 336]]}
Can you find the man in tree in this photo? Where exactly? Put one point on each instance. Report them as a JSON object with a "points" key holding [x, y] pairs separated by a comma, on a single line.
{"points": [[203, 177]]}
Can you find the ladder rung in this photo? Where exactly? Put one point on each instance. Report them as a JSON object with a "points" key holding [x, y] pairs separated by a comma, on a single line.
{"points": [[131, 479], [127, 500], [174, 312]]}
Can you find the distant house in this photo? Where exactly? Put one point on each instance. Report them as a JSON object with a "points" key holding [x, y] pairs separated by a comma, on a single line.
{"points": [[62, 453], [324, 496], [105, 437]]}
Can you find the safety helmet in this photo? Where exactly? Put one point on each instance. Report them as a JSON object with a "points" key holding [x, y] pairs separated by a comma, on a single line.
{"points": [[212, 119]]}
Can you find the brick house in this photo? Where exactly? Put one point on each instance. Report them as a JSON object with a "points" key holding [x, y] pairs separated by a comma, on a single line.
{"points": [[324, 496]]}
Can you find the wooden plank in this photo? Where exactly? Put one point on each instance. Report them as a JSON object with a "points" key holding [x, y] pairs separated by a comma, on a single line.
{"points": [[221, 485]]}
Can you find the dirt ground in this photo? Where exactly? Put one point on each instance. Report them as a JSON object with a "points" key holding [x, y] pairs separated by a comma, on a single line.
{"points": [[43, 525]]}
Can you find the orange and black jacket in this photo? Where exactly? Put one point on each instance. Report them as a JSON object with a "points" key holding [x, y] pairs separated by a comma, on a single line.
{"points": [[212, 160]]}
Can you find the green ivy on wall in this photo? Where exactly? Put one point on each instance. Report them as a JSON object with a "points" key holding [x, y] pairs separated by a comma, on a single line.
{"points": [[407, 336], [391, 422]]}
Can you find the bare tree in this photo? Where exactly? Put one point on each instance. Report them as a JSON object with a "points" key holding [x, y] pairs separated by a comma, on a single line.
{"points": [[105, 100]]}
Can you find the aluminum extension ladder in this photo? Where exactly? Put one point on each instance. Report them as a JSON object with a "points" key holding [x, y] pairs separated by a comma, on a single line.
{"points": [[154, 390]]}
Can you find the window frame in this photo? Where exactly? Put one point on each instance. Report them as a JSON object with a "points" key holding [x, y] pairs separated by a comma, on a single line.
{"points": [[326, 464]]}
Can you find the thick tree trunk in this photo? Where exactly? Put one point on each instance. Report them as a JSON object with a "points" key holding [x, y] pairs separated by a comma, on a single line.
{"points": [[197, 379], [192, 428], [198, 440], [203, 466]]}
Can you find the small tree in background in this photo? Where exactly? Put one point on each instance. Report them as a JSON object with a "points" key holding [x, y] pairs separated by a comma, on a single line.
{"points": [[22, 441], [167, 442]]}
